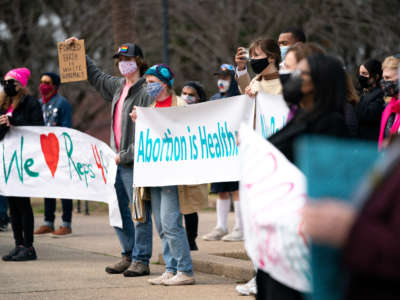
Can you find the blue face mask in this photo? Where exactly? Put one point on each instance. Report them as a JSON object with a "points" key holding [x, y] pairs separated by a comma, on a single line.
{"points": [[154, 89], [284, 50]]}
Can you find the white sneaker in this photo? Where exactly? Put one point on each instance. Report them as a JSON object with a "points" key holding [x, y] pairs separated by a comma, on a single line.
{"points": [[160, 279], [235, 236], [215, 235], [247, 289], [180, 279]]}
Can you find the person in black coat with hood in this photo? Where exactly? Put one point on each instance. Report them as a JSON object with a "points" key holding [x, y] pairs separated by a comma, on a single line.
{"points": [[18, 108], [369, 109]]}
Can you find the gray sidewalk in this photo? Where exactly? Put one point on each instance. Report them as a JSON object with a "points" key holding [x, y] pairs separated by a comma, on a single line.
{"points": [[73, 267]]}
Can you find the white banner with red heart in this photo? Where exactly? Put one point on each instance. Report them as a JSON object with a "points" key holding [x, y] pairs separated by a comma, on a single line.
{"points": [[58, 162]]}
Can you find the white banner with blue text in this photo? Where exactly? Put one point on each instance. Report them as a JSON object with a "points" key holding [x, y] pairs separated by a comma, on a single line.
{"points": [[271, 114], [190, 144]]}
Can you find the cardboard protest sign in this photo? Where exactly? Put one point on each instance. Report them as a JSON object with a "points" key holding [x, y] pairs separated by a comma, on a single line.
{"points": [[271, 114], [190, 144], [58, 162], [272, 194], [72, 61]]}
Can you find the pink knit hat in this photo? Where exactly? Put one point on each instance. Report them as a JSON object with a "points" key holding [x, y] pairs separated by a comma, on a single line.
{"points": [[20, 74]]}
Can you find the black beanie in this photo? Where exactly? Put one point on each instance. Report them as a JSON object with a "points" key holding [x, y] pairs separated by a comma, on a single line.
{"points": [[373, 67], [199, 89], [54, 77]]}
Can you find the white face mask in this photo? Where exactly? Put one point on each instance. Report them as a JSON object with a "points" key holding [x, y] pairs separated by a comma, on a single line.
{"points": [[284, 50], [223, 85], [189, 99], [127, 67]]}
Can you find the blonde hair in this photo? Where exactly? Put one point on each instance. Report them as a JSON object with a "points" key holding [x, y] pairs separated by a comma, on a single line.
{"points": [[391, 62]]}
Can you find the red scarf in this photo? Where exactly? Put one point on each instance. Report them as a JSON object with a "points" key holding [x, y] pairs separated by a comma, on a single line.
{"points": [[48, 98], [165, 103]]}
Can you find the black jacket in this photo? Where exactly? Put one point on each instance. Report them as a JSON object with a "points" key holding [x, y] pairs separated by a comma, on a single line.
{"points": [[369, 112], [330, 124], [27, 113]]}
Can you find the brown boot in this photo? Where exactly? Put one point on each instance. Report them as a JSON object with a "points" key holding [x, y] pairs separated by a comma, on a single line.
{"points": [[120, 266], [137, 269]]}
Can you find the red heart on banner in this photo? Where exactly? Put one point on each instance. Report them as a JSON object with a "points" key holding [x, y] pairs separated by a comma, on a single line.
{"points": [[51, 151]]}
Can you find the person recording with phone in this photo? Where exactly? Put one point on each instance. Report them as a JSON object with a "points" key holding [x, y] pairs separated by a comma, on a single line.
{"points": [[265, 57]]}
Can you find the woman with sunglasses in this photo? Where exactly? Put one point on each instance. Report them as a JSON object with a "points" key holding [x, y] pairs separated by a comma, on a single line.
{"points": [[168, 202], [18, 108]]}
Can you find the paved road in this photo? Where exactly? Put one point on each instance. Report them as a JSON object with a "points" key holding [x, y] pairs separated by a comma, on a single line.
{"points": [[73, 268]]}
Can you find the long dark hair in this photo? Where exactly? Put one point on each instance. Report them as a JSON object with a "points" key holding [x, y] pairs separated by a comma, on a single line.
{"points": [[329, 79]]}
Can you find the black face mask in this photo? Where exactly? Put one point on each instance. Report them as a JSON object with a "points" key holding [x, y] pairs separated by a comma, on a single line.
{"points": [[363, 81], [292, 90], [10, 87], [284, 77], [258, 65], [389, 88]]}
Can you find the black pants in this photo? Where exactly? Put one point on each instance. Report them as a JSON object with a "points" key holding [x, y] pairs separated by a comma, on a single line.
{"points": [[50, 209], [270, 289], [192, 226], [22, 221]]}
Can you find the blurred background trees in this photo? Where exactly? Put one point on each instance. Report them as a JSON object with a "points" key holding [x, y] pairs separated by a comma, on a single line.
{"points": [[202, 35]]}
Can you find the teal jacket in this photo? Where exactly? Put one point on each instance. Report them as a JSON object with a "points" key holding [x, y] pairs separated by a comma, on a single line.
{"points": [[110, 88]]}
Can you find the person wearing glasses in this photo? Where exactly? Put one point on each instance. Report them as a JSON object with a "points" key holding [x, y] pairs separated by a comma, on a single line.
{"points": [[19, 108], [56, 112]]}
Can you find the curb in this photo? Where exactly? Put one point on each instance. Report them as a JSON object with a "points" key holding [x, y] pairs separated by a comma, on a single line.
{"points": [[222, 264]]}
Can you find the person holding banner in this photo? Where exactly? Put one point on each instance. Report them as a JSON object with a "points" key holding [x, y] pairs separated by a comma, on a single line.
{"points": [[228, 87], [56, 112], [192, 93], [169, 202], [124, 93], [18, 108], [265, 57]]}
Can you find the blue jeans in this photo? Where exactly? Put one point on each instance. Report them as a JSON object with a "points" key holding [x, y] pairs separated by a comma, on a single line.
{"points": [[138, 245], [168, 219], [3, 210]]}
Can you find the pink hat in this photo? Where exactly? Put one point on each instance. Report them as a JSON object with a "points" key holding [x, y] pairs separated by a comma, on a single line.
{"points": [[20, 74]]}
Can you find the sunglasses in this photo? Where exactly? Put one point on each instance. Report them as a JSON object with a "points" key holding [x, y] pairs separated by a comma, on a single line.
{"points": [[7, 82]]}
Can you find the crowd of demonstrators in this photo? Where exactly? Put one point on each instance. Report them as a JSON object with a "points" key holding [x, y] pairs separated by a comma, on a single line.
{"points": [[19, 108], [228, 87], [322, 101], [170, 202], [193, 92], [56, 112], [124, 93]]}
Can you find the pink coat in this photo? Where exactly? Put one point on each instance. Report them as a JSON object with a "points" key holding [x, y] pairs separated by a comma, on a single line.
{"points": [[393, 106]]}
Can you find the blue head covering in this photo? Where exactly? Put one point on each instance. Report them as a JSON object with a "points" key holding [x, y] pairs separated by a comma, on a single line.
{"points": [[162, 72]]}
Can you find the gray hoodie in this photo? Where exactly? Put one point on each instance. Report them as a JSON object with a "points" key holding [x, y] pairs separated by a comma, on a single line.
{"points": [[110, 88]]}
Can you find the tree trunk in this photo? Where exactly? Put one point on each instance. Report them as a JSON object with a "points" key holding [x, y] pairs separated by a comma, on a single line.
{"points": [[123, 21]]}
